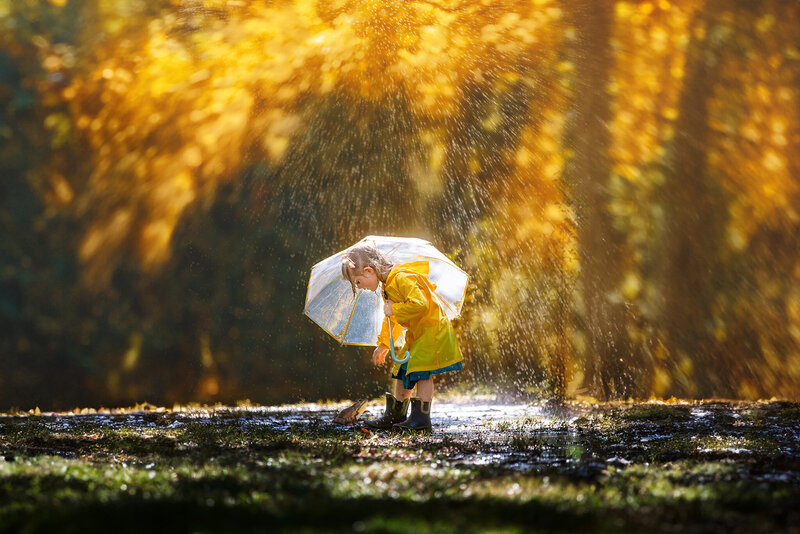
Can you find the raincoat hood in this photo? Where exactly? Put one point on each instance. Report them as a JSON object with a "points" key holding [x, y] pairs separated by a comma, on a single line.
{"points": [[417, 267]]}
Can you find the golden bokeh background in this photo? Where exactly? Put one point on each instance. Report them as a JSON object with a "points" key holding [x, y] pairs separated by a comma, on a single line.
{"points": [[621, 179]]}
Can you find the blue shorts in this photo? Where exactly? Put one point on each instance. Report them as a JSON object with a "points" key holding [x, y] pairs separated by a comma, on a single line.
{"points": [[410, 380]]}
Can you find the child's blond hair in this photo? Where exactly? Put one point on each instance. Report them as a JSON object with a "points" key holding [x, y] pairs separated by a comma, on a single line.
{"points": [[360, 256]]}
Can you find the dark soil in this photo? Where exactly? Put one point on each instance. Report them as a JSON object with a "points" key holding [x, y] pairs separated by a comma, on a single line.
{"points": [[681, 467]]}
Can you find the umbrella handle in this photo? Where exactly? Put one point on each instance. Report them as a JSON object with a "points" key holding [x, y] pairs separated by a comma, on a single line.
{"points": [[391, 345]]}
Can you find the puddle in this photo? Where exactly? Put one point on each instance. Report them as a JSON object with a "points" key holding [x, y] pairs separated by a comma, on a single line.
{"points": [[507, 436]]}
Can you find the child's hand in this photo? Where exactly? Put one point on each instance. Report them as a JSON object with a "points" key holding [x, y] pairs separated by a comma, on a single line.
{"points": [[379, 355], [387, 308]]}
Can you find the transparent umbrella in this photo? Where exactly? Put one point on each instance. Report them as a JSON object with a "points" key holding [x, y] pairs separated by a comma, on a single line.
{"points": [[357, 320]]}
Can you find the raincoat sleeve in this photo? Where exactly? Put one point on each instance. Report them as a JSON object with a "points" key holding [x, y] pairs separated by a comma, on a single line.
{"points": [[414, 303], [397, 331]]}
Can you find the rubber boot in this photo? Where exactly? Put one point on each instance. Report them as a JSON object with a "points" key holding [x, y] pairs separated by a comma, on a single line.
{"points": [[420, 418], [395, 412]]}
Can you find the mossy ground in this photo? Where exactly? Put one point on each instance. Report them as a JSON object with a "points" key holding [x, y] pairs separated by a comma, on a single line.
{"points": [[572, 467]]}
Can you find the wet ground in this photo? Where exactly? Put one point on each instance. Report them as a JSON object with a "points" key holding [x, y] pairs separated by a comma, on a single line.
{"points": [[708, 466]]}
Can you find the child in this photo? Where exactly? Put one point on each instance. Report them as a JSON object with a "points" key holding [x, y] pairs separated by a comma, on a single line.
{"points": [[430, 339]]}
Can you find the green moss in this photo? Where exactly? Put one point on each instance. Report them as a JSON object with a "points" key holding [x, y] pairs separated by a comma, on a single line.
{"points": [[601, 468], [657, 413]]}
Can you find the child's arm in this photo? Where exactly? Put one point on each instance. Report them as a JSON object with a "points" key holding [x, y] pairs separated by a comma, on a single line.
{"points": [[414, 302], [379, 355], [383, 337]]}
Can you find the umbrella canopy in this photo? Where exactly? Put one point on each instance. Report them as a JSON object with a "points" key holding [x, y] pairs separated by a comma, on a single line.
{"points": [[356, 320]]}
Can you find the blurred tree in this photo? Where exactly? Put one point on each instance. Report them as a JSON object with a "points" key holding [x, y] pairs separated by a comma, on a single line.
{"points": [[695, 211], [754, 150], [614, 366]]}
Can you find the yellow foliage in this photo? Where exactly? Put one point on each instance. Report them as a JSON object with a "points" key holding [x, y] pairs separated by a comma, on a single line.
{"points": [[758, 137], [646, 80], [171, 98], [169, 113]]}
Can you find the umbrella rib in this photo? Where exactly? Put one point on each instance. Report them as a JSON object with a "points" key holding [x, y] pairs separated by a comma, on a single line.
{"points": [[350, 319], [440, 299], [392, 250], [323, 328], [464, 293]]}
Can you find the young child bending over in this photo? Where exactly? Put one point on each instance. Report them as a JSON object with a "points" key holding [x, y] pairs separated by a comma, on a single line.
{"points": [[430, 340]]}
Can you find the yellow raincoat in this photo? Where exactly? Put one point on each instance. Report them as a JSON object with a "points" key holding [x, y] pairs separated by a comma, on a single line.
{"points": [[429, 335]]}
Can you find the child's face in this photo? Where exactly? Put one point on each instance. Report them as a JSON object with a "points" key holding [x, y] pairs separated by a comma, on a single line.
{"points": [[367, 280]]}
